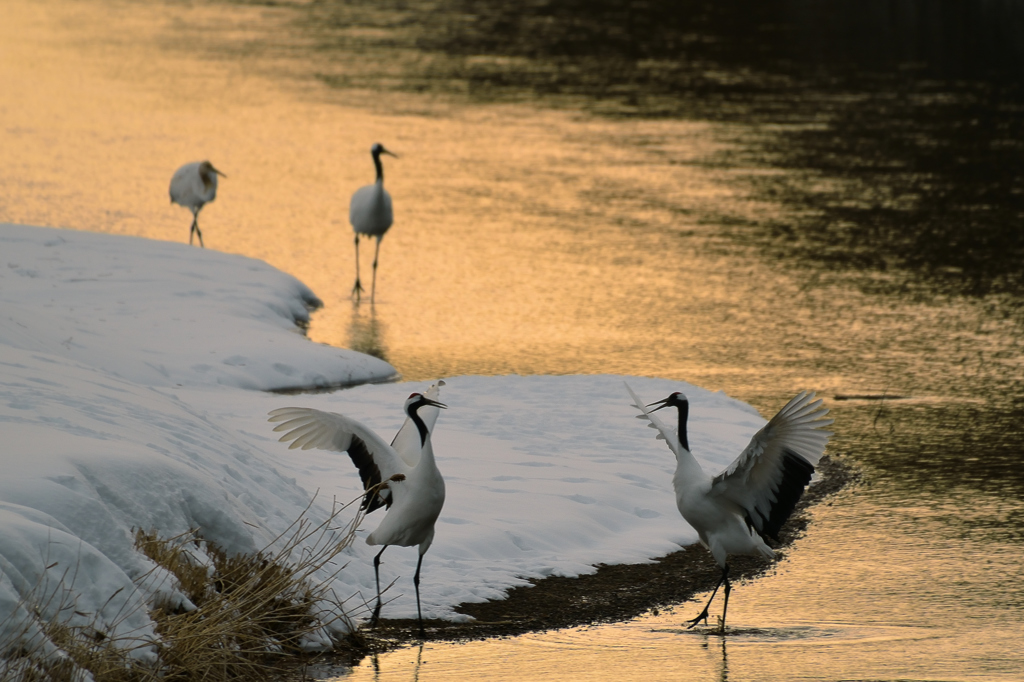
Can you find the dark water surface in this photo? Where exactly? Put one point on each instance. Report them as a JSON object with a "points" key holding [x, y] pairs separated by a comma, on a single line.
{"points": [[900, 122], [757, 197]]}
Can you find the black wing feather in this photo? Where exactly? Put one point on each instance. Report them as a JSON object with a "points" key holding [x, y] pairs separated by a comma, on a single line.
{"points": [[796, 474], [369, 472]]}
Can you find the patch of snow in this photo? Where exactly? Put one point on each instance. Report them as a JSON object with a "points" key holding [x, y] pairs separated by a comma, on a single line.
{"points": [[165, 314]]}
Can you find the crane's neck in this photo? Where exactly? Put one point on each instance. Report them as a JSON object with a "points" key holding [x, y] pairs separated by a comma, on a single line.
{"points": [[426, 467], [420, 426], [688, 469], [684, 412], [208, 177], [380, 167]]}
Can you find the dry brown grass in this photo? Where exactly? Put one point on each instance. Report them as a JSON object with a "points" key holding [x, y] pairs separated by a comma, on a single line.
{"points": [[248, 619]]}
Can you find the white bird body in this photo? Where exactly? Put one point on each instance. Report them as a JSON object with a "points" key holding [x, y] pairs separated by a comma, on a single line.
{"points": [[402, 476], [416, 504], [370, 211], [371, 215], [193, 186], [720, 525], [755, 495]]}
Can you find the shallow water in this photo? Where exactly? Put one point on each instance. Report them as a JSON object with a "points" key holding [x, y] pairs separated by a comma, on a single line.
{"points": [[750, 197]]}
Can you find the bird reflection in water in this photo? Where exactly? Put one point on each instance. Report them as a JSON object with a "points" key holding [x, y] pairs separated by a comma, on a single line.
{"points": [[724, 676], [415, 667], [367, 334]]}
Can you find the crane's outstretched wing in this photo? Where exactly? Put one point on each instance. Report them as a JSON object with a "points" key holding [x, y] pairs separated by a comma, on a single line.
{"points": [[407, 440], [665, 432], [770, 475], [374, 458]]}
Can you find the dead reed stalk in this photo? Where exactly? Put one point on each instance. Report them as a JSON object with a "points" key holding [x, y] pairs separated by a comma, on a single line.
{"points": [[248, 616]]}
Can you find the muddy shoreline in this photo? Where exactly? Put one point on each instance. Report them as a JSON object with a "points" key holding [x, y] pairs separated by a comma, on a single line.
{"points": [[611, 594]]}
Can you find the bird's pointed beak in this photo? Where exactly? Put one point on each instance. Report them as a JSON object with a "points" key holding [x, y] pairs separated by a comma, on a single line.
{"points": [[217, 172], [661, 404], [428, 401], [385, 151]]}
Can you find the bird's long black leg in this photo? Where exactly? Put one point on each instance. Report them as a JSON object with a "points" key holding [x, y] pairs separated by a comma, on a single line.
{"points": [[376, 574], [373, 289], [195, 228], [416, 582], [728, 589], [704, 614], [358, 288]]}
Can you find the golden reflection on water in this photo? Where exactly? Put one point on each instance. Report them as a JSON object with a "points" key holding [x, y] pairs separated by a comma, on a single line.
{"points": [[536, 241], [660, 649], [524, 241]]}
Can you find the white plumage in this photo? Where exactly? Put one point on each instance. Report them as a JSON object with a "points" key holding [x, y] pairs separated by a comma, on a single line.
{"points": [[734, 511], [193, 186], [371, 214], [402, 476]]}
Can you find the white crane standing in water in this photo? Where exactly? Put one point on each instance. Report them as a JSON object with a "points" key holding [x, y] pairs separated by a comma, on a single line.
{"points": [[733, 511], [193, 186], [370, 214], [402, 476]]}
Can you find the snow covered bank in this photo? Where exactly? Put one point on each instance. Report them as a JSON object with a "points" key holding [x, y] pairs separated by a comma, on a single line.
{"points": [[96, 332], [165, 314], [126, 401]]}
